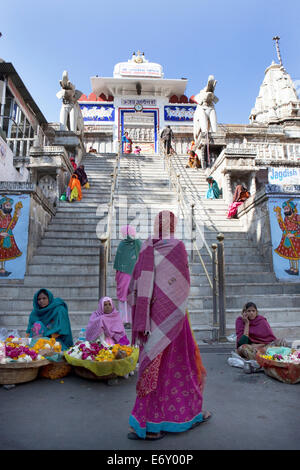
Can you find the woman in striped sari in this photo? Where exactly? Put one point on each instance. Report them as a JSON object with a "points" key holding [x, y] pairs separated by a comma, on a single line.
{"points": [[171, 373]]}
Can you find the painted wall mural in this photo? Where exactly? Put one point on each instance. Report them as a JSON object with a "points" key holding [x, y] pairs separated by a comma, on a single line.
{"points": [[285, 234], [14, 223], [97, 112], [179, 113]]}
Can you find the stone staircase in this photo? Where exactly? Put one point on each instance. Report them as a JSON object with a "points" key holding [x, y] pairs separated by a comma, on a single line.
{"points": [[67, 261], [248, 277]]}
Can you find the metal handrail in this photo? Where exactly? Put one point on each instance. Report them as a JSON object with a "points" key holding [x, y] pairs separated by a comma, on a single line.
{"points": [[105, 238], [217, 283], [111, 203], [183, 204]]}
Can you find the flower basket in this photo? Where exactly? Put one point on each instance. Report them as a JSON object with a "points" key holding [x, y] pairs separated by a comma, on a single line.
{"points": [[88, 374], [55, 370], [104, 370], [15, 373], [283, 371]]}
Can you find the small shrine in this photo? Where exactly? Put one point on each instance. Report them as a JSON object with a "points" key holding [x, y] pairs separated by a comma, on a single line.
{"points": [[137, 99]]}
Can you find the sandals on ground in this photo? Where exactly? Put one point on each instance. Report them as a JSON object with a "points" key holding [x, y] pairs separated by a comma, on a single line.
{"points": [[205, 419]]}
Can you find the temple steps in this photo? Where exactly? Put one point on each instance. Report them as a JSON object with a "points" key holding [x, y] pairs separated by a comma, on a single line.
{"points": [[67, 259]]}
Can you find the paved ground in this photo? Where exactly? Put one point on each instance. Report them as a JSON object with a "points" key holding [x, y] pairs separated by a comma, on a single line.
{"points": [[249, 412]]}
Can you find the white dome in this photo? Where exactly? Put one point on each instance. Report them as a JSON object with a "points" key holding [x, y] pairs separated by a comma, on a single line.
{"points": [[138, 66]]}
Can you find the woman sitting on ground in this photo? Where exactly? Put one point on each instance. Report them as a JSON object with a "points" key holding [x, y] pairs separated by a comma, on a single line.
{"points": [[106, 324], [193, 161], [49, 318], [137, 150], [213, 191], [74, 189], [241, 194], [252, 332], [82, 176]]}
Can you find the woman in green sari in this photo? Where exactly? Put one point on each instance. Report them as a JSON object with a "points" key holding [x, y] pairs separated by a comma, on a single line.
{"points": [[126, 257], [50, 318], [213, 191]]}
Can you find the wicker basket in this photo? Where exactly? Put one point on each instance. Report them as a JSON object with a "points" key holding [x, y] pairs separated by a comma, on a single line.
{"points": [[88, 374], [284, 372], [20, 372], [55, 370]]}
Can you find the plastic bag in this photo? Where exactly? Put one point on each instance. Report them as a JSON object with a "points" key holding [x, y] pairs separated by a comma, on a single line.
{"points": [[234, 362], [87, 185], [4, 333], [2, 353]]}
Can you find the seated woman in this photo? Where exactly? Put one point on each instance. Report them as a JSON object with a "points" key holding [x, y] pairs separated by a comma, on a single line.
{"points": [[137, 150], [253, 331], [241, 194], [82, 176], [72, 160], [106, 324], [74, 189], [213, 191], [49, 318], [193, 161], [191, 147]]}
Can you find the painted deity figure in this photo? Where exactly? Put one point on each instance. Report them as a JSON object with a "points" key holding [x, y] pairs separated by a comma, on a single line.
{"points": [[205, 117], [289, 247], [8, 247], [70, 113]]}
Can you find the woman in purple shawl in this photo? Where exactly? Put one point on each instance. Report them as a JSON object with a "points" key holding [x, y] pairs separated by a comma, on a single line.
{"points": [[252, 332], [171, 374], [82, 176], [106, 324]]}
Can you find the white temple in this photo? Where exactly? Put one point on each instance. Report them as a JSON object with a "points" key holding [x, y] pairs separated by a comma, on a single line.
{"points": [[277, 99], [137, 99]]}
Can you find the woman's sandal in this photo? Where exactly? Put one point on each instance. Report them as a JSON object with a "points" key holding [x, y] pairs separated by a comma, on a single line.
{"points": [[205, 419], [134, 437]]}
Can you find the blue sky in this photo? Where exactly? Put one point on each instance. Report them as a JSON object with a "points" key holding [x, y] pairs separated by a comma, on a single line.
{"points": [[231, 39]]}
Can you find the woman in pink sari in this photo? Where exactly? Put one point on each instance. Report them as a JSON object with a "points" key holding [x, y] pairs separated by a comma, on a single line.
{"points": [[241, 194], [253, 332], [106, 324], [171, 373]]}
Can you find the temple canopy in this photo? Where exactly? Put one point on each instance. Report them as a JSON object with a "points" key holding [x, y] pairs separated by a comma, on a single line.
{"points": [[138, 76]]}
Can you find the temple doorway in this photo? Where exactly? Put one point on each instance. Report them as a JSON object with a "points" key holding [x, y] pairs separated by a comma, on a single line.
{"points": [[142, 129]]}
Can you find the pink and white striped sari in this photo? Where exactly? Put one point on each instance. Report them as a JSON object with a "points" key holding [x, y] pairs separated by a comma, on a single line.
{"points": [[171, 374]]}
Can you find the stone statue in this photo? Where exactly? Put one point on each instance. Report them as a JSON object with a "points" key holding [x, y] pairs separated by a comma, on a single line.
{"points": [[205, 117], [70, 113]]}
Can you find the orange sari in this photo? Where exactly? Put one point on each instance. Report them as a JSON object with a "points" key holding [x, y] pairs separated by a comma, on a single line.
{"points": [[75, 183]]}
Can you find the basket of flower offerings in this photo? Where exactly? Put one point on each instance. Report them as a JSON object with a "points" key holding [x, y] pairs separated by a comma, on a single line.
{"points": [[92, 360], [281, 363], [51, 349], [18, 362]]}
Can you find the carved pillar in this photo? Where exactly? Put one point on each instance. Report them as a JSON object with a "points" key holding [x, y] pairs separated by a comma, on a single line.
{"points": [[252, 185], [58, 183], [227, 190], [201, 154]]}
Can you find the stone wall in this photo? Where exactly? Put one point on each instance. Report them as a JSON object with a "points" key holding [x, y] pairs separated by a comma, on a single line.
{"points": [[7, 170]]}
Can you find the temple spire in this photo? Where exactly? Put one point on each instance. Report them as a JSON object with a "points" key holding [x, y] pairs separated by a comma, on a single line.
{"points": [[276, 39]]}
